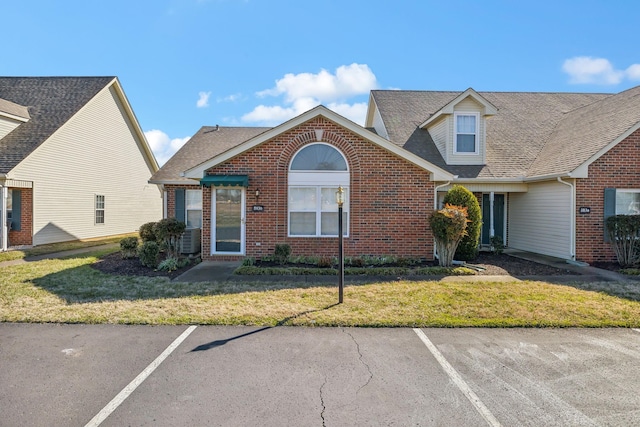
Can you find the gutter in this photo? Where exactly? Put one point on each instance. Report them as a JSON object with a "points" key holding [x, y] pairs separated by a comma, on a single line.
{"points": [[572, 231]]}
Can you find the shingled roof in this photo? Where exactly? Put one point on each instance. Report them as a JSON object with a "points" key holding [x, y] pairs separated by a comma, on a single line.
{"points": [[522, 137], [50, 102], [207, 143]]}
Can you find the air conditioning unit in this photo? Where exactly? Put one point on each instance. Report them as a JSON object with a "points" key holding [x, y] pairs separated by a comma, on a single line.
{"points": [[190, 242]]}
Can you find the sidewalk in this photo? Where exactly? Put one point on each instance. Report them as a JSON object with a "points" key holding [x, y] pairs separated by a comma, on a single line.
{"points": [[55, 255]]}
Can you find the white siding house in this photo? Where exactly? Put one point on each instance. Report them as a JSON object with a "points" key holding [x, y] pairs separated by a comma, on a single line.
{"points": [[89, 177]]}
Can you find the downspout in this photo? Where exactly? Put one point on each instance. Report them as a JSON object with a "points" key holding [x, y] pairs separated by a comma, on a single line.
{"points": [[435, 208], [572, 232]]}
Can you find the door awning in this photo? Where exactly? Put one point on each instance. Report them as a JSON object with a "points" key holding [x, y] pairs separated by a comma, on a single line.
{"points": [[225, 181]]}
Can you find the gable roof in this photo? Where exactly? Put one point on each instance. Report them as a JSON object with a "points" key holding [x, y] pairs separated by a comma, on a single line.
{"points": [[50, 102], [208, 142], [586, 133], [489, 108], [516, 135], [198, 171]]}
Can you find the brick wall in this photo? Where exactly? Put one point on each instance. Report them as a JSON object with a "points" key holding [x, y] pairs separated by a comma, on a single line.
{"points": [[24, 236], [390, 198], [618, 168]]}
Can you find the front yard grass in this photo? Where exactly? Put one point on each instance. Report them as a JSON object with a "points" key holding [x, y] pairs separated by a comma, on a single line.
{"points": [[59, 247], [70, 291]]}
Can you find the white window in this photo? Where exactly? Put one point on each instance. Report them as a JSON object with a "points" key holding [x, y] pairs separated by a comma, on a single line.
{"points": [[627, 202], [193, 208], [99, 209], [466, 131], [315, 174]]}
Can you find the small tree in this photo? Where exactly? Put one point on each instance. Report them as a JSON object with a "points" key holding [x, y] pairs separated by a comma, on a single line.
{"points": [[449, 226], [468, 247], [624, 234], [169, 231]]}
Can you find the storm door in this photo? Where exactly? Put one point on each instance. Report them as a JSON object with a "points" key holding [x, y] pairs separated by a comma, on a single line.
{"points": [[228, 212], [498, 217]]}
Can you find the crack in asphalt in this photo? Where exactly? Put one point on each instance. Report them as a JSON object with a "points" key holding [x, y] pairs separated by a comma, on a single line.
{"points": [[322, 402], [361, 361]]}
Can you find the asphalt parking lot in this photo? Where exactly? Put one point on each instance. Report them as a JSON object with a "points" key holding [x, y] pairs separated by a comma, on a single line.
{"points": [[77, 375]]}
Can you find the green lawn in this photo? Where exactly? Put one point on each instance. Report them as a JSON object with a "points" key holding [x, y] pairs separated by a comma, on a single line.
{"points": [[58, 247], [69, 290]]}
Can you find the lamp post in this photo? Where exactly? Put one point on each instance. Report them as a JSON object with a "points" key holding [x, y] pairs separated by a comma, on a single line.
{"points": [[340, 201]]}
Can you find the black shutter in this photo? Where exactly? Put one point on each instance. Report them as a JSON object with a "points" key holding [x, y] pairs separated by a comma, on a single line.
{"points": [[609, 208], [180, 213]]}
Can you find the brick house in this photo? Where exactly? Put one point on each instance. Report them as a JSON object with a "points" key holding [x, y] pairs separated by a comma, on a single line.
{"points": [[74, 163], [547, 169]]}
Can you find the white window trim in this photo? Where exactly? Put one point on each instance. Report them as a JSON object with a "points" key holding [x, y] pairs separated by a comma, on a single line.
{"points": [[455, 133], [96, 209], [318, 211], [625, 190], [319, 180], [186, 208]]}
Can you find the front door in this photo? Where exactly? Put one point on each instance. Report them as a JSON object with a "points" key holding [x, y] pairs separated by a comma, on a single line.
{"points": [[498, 217], [227, 231]]}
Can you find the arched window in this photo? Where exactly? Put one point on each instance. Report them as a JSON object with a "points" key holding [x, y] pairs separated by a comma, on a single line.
{"points": [[315, 173]]}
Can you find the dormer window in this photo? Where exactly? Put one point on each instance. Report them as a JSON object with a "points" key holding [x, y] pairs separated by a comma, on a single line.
{"points": [[466, 131]]}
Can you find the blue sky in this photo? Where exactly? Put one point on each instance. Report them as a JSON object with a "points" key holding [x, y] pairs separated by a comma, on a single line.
{"points": [[189, 63]]}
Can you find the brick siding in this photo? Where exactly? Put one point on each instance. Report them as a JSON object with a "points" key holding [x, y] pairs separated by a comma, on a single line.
{"points": [[618, 168], [390, 198], [24, 236]]}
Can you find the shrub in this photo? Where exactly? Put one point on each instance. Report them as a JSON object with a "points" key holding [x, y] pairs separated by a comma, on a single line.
{"points": [[325, 262], [147, 232], [624, 234], [468, 247], [497, 246], [449, 226], [169, 264], [128, 247], [148, 254], [169, 231], [281, 253], [248, 261]]}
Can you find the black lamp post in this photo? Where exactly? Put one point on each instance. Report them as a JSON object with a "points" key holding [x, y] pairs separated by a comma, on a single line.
{"points": [[340, 200]]}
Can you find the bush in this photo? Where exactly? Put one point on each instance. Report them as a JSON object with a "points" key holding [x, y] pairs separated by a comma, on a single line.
{"points": [[128, 247], [281, 253], [147, 232], [497, 246], [169, 264], [468, 247], [148, 254], [325, 262], [449, 226], [624, 234], [169, 231]]}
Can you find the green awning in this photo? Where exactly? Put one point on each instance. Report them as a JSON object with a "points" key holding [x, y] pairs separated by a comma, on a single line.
{"points": [[225, 181]]}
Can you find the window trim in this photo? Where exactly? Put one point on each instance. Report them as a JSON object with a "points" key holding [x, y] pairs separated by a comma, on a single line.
{"points": [[476, 134], [186, 205], [624, 190], [97, 209], [319, 180]]}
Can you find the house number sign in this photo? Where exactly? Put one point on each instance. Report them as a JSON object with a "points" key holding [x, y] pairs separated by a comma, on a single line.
{"points": [[258, 208], [585, 210]]}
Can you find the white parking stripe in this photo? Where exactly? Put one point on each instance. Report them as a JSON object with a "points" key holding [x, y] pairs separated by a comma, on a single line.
{"points": [[122, 396], [457, 379]]}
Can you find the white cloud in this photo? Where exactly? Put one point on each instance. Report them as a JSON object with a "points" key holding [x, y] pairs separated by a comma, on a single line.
{"points": [[162, 146], [230, 98], [306, 90], [633, 72], [585, 69], [203, 101]]}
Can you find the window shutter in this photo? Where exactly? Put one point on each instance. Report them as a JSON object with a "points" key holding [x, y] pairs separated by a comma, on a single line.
{"points": [[16, 212], [179, 210], [609, 208]]}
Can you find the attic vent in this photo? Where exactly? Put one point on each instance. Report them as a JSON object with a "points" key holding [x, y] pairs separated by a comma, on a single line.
{"points": [[217, 127], [319, 133]]}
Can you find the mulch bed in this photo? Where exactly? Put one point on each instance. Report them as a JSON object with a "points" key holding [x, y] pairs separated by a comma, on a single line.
{"points": [[493, 265], [114, 264]]}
